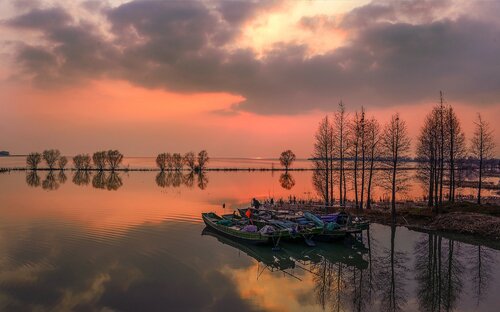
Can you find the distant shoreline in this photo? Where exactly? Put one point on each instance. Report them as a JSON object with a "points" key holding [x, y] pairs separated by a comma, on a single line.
{"points": [[185, 170]]}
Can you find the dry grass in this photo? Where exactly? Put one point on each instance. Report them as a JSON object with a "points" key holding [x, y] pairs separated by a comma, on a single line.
{"points": [[469, 223]]}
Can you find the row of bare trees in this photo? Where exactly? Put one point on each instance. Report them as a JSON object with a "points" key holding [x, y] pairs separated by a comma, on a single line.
{"points": [[52, 158], [441, 150], [360, 139], [175, 161], [101, 160]]}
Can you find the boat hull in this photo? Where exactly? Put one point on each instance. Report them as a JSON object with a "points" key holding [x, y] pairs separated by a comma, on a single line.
{"points": [[256, 238]]}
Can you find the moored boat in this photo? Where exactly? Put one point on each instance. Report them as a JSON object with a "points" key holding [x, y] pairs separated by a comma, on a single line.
{"points": [[242, 229], [299, 227]]}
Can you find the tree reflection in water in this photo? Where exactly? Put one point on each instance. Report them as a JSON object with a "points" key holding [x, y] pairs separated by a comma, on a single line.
{"points": [[99, 180], [50, 183], [32, 178], [82, 177], [287, 181], [188, 179], [176, 179], [481, 264], [391, 275], [439, 273], [346, 283], [161, 179], [110, 182], [113, 181], [202, 180], [61, 177]]}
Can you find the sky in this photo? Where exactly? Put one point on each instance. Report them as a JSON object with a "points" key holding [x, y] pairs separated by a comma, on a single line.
{"points": [[237, 78]]}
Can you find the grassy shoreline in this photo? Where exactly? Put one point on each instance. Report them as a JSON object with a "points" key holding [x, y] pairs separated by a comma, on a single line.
{"points": [[466, 218]]}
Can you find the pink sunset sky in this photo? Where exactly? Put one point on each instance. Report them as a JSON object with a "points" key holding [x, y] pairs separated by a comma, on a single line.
{"points": [[237, 78]]}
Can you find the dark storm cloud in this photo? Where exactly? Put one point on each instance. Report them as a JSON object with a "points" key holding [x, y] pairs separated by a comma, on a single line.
{"points": [[398, 53], [76, 51], [41, 19], [237, 12]]}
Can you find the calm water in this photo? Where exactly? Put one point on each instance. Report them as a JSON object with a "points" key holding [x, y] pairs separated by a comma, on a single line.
{"points": [[135, 242]]}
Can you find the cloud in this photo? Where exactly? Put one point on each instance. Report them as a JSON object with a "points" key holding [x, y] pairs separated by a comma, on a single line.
{"points": [[45, 19], [396, 53]]}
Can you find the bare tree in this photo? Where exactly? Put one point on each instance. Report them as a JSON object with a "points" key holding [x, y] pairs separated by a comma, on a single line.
{"points": [[354, 147], [51, 156], [373, 139], [33, 160], [161, 161], [203, 160], [341, 134], [482, 147], [441, 146], [456, 148], [62, 162], [190, 161], [363, 144], [426, 155], [169, 161], [114, 159], [177, 161], [287, 158], [395, 144], [82, 162], [323, 150], [100, 160]]}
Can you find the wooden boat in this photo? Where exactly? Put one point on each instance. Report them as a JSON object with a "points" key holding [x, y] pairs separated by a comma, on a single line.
{"points": [[298, 227], [237, 229]]}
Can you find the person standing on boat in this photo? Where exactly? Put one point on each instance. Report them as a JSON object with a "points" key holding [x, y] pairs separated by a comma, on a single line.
{"points": [[255, 203]]}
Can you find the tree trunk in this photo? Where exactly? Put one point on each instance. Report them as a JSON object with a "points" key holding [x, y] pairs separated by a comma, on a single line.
{"points": [[393, 200], [356, 174], [480, 180], [362, 173], [370, 176]]}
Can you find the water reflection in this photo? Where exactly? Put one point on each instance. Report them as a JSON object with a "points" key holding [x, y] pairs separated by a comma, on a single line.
{"points": [[287, 181], [339, 271], [482, 263], [117, 273], [439, 273], [50, 183], [32, 178], [110, 181], [392, 276], [202, 180], [81, 177], [78, 249], [176, 179], [61, 177]]}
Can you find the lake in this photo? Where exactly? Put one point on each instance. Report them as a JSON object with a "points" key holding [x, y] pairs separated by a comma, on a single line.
{"points": [[135, 241]]}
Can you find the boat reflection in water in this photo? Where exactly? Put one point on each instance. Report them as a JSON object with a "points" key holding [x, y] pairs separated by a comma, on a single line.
{"points": [[291, 256]]}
